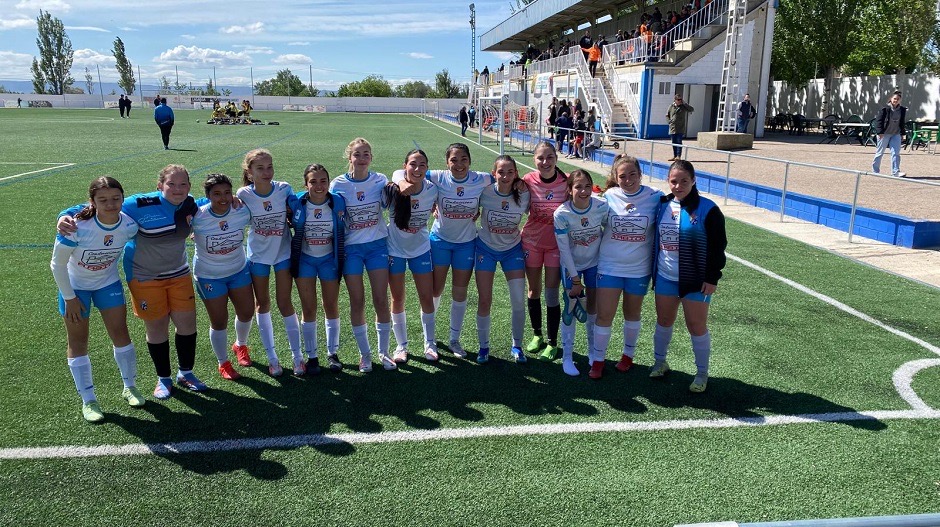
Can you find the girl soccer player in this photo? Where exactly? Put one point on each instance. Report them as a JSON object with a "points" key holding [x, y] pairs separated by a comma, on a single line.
{"points": [[691, 254], [85, 271], [548, 186], [363, 192], [221, 269], [315, 249], [625, 261], [411, 199], [499, 241], [579, 225], [270, 203], [454, 232]]}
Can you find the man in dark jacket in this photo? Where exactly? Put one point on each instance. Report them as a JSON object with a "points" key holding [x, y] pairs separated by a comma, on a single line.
{"points": [[678, 118], [163, 115], [746, 112], [888, 129]]}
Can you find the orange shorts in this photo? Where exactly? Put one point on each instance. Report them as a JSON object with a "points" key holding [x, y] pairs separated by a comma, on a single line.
{"points": [[155, 299]]}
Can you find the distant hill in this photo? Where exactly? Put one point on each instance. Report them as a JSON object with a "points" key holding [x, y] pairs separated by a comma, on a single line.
{"points": [[148, 89]]}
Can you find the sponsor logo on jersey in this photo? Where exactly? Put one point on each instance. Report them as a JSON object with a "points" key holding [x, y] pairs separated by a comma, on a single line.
{"points": [[108, 240], [629, 229], [460, 191], [223, 225], [317, 213], [360, 195], [267, 206]]}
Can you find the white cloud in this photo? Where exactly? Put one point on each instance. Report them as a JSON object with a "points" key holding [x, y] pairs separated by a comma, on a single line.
{"points": [[255, 50], [298, 43], [45, 5], [193, 55], [86, 28], [250, 29], [16, 23], [15, 66], [188, 37], [125, 28], [292, 58], [90, 57], [418, 55]]}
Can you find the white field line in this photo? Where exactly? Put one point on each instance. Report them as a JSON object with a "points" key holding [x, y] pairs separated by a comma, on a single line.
{"points": [[62, 165], [296, 441]]}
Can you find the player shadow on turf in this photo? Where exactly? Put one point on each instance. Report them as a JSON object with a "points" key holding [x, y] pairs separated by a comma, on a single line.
{"points": [[182, 150]]}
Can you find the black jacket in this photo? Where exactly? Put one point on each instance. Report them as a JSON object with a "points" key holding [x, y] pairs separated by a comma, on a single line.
{"points": [[882, 121]]}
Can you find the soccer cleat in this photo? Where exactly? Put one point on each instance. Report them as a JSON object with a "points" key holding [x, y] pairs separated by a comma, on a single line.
{"points": [[699, 383], [333, 363], [227, 371], [163, 388], [313, 366], [387, 362], [457, 349], [190, 382], [300, 367], [535, 344], [899, 174], [133, 397], [483, 356], [569, 368], [549, 354], [92, 413], [275, 369], [660, 369], [401, 355], [518, 355], [365, 364], [597, 370], [625, 364], [241, 354], [430, 352]]}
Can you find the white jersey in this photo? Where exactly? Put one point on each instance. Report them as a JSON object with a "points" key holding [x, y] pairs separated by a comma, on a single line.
{"points": [[500, 219], [93, 250], [458, 203], [364, 204], [668, 254], [627, 245], [413, 241], [220, 242], [318, 230], [269, 238], [579, 234]]}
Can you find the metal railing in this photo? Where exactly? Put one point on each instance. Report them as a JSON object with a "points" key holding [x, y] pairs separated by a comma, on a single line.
{"points": [[623, 92]]}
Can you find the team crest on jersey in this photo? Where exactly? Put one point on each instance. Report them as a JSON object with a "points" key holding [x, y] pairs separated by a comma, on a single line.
{"points": [[223, 225], [360, 195], [208, 288], [108, 240], [504, 205], [692, 219], [267, 206], [550, 195], [415, 204], [144, 306], [585, 221], [460, 191], [317, 213], [631, 208], [675, 216]]}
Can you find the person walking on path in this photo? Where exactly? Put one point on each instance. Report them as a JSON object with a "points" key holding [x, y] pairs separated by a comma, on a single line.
{"points": [[678, 118], [464, 120], [889, 126], [746, 112], [163, 115]]}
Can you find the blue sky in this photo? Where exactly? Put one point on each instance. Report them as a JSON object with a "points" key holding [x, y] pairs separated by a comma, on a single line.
{"points": [[342, 41]]}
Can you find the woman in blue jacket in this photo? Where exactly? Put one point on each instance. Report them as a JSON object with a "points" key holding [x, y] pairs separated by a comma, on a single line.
{"points": [[690, 244]]}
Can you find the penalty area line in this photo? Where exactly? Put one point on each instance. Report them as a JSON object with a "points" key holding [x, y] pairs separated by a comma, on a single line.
{"points": [[315, 440], [62, 165]]}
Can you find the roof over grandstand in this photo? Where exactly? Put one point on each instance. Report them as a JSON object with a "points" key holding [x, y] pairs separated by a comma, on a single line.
{"points": [[546, 17]]}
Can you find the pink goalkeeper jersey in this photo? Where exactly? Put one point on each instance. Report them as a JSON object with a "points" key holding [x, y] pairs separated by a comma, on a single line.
{"points": [[539, 229]]}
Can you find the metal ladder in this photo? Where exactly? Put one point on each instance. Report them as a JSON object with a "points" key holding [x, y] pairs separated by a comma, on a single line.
{"points": [[728, 95]]}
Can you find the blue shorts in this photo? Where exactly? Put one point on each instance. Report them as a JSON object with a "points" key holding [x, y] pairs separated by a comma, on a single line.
{"points": [[105, 298], [667, 287], [588, 278], [419, 264], [371, 255], [630, 286], [511, 259], [210, 288], [323, 267], [257, 269], [456, 255]]}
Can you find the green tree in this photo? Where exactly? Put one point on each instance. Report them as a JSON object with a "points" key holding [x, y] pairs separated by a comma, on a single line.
{"points": [[413, 89], [371, 86], [892, 36], [284, 84], [89, 81], [165, 86], [127, 82], [444, 86], [210, 89], [51, 71]]}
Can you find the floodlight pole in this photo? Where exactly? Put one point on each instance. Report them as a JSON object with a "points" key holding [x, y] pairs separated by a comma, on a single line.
{"points": [[100, 88], [473, 42]]}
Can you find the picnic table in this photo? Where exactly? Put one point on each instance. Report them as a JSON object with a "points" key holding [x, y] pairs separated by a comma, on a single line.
{"points": [[846, 131]]}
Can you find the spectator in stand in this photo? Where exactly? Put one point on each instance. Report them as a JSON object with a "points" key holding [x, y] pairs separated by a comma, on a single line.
{"points": [[591, 120], [620, 36], [564, 124], [594, 56], [485, 74], [746, 112], [657, 16], [552, 115], [586, 43]]}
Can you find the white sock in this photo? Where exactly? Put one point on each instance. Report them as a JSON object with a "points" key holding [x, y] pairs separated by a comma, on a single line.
{"points": [[589, 329], [219, 341], [81, 374], [383, 331], [601, 340], [483, 330], [437, 303], [361, 335], [702, 348], [517, 303], [332, 335], [310, 338], [567, 340], [292, 327], [457, 312], [631, 333], [400, 328], [242, 329], [126, 359], [266, 330], [428, 328], [661, 338]]}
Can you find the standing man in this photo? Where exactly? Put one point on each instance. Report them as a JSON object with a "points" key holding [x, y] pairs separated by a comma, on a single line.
{"points": [[678, 117], [472, 114], [121, 105], [888, 129], [746, 112], [464, 119], [127, 106], [586, 43], [163, 115]]}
